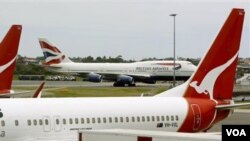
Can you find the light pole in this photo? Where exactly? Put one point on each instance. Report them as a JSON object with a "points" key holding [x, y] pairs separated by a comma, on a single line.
{"points": [[174, 15]]}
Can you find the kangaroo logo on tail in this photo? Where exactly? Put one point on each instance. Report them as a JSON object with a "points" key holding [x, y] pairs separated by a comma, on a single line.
{"points": [[5, 66], [207, 84]]}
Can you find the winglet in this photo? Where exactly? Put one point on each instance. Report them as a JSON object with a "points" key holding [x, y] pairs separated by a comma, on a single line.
{"points": [[8, 54], [38, 92]]}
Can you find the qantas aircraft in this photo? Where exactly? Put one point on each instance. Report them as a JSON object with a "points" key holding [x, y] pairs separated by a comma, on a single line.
{"points": [[121, 73], [195, 106]]}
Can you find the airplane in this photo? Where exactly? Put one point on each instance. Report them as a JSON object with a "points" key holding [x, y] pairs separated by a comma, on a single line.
{"points": [[121, 73], [195, 106]]}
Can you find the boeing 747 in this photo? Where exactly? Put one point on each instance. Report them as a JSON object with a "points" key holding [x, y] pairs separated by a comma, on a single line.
{"points": [[121, 73]]}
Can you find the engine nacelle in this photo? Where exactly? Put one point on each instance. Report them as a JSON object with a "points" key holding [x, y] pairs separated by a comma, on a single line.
{"points": [[122, 80], [93, 77]]}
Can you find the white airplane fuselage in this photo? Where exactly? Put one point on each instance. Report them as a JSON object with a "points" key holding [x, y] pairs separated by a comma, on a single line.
{"points": [[55, 118], [156, 70]]}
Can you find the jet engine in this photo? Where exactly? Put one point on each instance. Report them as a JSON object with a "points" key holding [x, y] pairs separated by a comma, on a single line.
{"points": [[93, 77], [123, 80]]}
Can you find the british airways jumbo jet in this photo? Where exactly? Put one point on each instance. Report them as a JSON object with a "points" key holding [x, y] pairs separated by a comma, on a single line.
{"points": [[195, 106], [121, 73]]}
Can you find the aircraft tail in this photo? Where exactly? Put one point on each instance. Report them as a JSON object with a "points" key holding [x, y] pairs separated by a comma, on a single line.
{"points": [[51, 53], [214, 77], [8, 54]]}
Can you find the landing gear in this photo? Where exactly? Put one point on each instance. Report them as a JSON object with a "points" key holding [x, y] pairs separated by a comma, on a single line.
{"points": [[132, 85], [117, 84]]}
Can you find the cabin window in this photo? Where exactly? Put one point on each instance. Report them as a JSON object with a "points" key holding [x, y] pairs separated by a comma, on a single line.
{"points": [[116, 119], [157, 118], [133, 119], [127, 119], [57, 121], [176, 118], [2, 123], [148, 118], [76, 120], [70, 121], [16, 122], [172, 118], [29, 122], [121, 119], [64, 121], [46, 122], [82, 120], [99, 120], [104, 120], [40, 122], [110, 120], [88, 120], [162, 118], [153, 118], [143, 119], [93, 120], [138, 119], [35, 122], [167, 118]]}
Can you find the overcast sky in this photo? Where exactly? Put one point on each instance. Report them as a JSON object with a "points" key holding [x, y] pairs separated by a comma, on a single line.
{"points": [[135, 29]]}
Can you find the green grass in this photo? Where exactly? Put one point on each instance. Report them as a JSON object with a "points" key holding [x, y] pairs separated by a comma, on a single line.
{"points": [[95, 91], [102, 92]]}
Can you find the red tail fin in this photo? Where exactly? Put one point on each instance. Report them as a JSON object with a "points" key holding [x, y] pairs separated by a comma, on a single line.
{"points": [[8, 54], [215, 75]]}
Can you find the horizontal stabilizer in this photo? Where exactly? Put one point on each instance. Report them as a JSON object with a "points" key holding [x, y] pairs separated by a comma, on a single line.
{"points": [[232, 106]]}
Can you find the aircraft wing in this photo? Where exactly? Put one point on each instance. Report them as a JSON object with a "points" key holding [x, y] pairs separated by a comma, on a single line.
{"points": [[113, 76], [127, 134], [36, 94]]}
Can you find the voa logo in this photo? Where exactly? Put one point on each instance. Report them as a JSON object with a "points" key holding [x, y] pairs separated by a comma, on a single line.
{"points": [[236, 132]]}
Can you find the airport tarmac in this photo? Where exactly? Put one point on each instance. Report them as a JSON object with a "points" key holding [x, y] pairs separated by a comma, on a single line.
{"points": [[240, 116]]}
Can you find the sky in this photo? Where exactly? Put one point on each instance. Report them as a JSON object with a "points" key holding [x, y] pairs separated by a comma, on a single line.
{"points": [[135, 29]]}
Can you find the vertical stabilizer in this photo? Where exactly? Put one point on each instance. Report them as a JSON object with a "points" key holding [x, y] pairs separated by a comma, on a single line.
{"points": [[8, 55], [51, 53], [214, 78]]}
